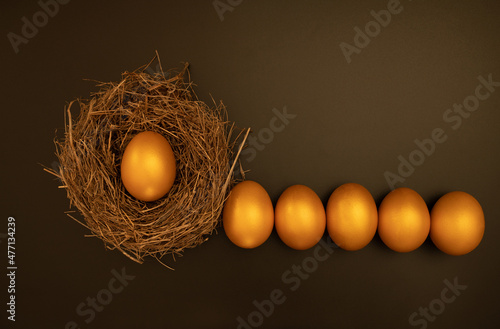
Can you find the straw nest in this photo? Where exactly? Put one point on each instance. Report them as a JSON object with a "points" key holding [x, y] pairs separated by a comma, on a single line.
{"points": [[203, 142]]}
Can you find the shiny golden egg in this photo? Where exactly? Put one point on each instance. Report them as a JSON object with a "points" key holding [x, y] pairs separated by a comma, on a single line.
{"points": [[248, 215], [351, 216], [300, 217], [403, 220], [457, 223], [148, 166]]}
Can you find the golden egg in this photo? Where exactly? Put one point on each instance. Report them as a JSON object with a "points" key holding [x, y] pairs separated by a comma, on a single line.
{"points": [[300, 217], [148, 166], [403, 220], [248, 215], [457, 223], [351, 216]]}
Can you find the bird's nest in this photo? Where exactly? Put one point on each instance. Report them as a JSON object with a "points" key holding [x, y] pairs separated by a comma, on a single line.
{"points": [[202, 139]]}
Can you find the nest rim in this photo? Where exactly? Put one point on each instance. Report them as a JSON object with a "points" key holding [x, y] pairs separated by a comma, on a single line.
{"points": [[203, 142]]}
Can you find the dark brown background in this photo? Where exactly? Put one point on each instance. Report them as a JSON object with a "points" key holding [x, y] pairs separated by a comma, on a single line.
{"points": [[353, 121]]}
